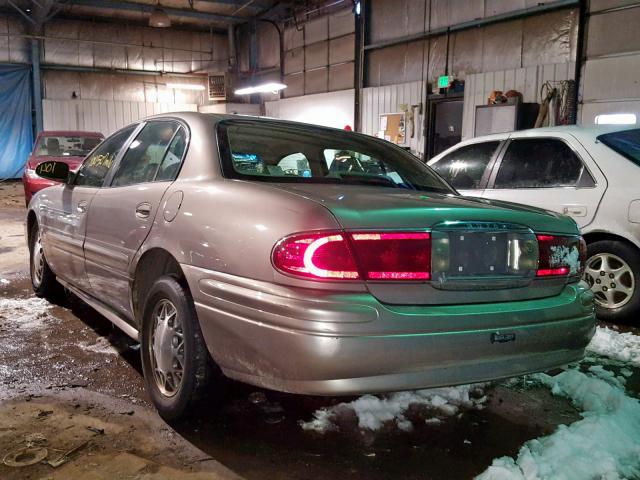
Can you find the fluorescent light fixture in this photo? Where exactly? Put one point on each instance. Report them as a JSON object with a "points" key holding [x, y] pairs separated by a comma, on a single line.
{"points": [[616, 119], [264, 88], [185, 86]]}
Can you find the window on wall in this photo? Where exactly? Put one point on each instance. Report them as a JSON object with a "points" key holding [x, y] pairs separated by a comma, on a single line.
{"points": [[540, 163], [463, 168]]}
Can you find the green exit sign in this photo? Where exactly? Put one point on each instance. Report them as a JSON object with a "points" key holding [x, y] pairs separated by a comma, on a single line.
{"points": [[444, 81]]}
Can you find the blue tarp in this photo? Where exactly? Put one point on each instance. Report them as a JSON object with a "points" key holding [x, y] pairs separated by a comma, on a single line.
{"points": [[16, 135]]}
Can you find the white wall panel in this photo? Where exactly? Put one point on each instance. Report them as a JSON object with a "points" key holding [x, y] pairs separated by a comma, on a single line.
{"points": [[527, 81], [387, 99], [105, 116], [333, 109]]}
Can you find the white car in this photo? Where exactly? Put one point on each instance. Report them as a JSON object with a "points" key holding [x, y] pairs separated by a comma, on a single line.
{"points": [[589, 173]]}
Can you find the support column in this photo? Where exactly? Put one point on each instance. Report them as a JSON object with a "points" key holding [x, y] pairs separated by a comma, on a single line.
{"points": [[37, 85]]}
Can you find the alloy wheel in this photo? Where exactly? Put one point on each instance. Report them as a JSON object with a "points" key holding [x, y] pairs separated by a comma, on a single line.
{"points": [[611, 279]]}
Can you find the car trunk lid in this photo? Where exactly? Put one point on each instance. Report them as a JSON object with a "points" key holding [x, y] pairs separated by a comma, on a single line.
{"points": [[482, 250]]}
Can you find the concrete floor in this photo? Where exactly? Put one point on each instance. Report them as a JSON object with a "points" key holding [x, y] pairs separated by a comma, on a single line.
{"points": [[64, 368]]}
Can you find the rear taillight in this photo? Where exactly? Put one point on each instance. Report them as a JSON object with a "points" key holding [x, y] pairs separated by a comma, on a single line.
{"points": [[393, 255], [403, 256], [318, 255], [560, 255]]}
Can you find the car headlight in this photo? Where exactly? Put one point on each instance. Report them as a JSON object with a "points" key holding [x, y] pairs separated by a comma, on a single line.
{"points": [[31, 173]]}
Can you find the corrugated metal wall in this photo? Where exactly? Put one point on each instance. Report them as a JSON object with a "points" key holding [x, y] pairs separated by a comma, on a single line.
{"points": [[13, 49], [319, 56], [611, 73], [130, 47], [542, 39], [102, 115], [527, 81]]}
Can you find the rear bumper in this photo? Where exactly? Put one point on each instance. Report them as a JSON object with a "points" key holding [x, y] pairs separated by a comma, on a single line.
{"points": [[332, 343]]}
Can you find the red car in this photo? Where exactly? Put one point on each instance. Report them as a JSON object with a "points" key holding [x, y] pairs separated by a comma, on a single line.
{"points": [[62, 146]]}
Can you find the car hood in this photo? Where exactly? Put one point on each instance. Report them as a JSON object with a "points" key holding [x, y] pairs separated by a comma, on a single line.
{"points": [[74, 162], [365, 207]]}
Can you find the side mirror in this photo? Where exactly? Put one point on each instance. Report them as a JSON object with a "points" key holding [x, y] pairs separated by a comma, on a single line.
{"points": [[58, 171]]}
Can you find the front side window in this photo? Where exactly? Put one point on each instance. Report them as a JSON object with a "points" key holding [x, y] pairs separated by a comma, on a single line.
{"points": [[97, 165], [66, 146], [539, 163], [273, 152], [626, 143], [145, 154], [463, 168]]}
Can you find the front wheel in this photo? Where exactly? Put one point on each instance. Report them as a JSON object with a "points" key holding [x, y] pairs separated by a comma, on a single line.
{"points": [[613, 273], [43, 280], [175, 361]]}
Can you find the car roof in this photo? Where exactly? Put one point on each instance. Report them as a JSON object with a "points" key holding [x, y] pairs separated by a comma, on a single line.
{"points": [[69, 133]]}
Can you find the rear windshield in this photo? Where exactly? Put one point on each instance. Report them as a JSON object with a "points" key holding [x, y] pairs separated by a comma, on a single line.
{"points": [[278, 152], [66, 146], [626, 143]]}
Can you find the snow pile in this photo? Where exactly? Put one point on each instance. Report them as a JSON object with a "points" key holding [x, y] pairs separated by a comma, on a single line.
{"points": [[25, 313], [605, 444], [619, 346], [374, 411], [102, 345]]}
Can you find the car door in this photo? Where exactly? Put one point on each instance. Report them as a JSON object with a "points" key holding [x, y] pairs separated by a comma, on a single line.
{"points": [[122, 213], [550, 172], [65, 217], [466, 168]]}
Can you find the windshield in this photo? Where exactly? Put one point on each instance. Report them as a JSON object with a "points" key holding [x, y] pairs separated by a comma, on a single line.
{"points": [[279, 152], [626, 143], [65, 146]]}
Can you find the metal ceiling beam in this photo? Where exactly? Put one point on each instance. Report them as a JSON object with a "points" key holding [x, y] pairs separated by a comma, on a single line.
{"points": [[146, 8]]}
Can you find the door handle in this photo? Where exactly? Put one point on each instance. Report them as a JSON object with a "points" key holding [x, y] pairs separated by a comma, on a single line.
{"points": [[575, 210], [82, 206], [143, 210]]}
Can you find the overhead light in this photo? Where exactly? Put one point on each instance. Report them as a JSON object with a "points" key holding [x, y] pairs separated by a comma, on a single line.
{"points": [[159, 18], [185, 86], [616, 119], [264, 88]]}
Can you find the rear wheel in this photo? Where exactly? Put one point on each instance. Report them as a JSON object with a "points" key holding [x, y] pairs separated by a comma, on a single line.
{"points": [[613, 273], [43, 280], [176, 364]]}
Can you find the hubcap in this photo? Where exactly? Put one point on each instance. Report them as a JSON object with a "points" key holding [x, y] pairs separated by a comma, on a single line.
{"points": [[37, 264], [167, 349], [611, 280]]}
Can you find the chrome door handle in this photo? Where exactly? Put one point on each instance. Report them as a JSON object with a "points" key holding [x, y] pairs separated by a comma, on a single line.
{"points": [[143, 210], [82, 206], [575, 210]]}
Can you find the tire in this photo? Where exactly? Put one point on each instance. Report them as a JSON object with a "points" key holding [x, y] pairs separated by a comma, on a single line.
{"points": [[173, 393], [613, 272], [43, 280]]}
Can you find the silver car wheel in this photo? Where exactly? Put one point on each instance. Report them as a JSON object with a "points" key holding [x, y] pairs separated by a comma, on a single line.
{"points": [[167, 348], [37, 261], [611, 280]]}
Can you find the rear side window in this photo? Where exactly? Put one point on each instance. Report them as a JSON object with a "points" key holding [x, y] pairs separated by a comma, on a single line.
{"points": [[464, 167], [626, 143], [539, 163], [97, 165]]}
